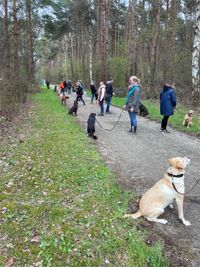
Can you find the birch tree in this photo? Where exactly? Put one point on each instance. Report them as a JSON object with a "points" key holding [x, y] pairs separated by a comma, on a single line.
{"points": [[196, 57]]}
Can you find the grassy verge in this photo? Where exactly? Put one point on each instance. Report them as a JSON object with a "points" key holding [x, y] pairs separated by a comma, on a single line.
{"points": [[175, 121], [60, 205]]}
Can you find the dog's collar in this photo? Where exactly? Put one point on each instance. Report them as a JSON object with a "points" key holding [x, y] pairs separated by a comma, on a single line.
{"points": [[173, 175]]}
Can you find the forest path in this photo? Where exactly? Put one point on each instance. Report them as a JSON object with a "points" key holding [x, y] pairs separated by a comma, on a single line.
{"points": [[141, 160]]}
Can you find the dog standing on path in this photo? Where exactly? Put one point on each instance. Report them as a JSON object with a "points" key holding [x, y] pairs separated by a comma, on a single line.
{"points": [[163, 193], [91, 125]]}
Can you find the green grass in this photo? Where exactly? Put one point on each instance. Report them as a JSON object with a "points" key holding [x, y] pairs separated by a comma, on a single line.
{"points": [[60, 205], [175, 121]]}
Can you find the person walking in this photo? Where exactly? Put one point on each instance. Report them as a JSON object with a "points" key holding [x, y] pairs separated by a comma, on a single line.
{"points": [[79, 92], [93, 91], [167, 104], [101, 94], [133, 101], [109, 94]]}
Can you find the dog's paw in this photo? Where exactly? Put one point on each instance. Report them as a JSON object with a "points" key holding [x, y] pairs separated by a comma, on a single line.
{"points": [[127, 216], [186, 223], [163, 221]]}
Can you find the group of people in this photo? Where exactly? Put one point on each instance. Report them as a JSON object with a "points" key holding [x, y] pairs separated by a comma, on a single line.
{"points": [[167, 103], [65, 87], [104, 93]]}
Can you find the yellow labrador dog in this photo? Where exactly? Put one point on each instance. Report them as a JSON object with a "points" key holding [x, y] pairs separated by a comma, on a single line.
{"points": [[164, 192], [187, 122]]}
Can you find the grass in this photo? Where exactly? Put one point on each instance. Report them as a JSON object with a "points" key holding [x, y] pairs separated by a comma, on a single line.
{"points": [[60, 205], [175, 121]]}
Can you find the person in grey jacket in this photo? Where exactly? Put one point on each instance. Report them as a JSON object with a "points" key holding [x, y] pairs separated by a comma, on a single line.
{"points": [[133, 101]]}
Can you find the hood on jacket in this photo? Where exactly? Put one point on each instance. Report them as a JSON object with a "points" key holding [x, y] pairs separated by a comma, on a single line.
{"points": [[166, 87]]}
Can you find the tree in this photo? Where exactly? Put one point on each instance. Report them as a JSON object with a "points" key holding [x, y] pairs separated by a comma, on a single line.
{"points": [[196, 58]]}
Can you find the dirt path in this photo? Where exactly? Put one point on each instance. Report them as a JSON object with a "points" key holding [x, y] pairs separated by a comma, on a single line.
{"points": [[141, 160]]}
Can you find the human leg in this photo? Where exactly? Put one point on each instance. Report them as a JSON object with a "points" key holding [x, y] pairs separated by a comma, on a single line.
{"points": [[108, 103], [101, 104], [133, 119], [164, 123]]}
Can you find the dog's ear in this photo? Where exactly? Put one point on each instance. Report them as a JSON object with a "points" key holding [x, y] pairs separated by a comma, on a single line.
{"points": [[170, 161], [179, 165], [176, 163]]}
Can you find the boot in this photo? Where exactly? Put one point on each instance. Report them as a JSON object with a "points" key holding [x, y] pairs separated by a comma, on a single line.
{"points": [[135, 129], [131, 129]]}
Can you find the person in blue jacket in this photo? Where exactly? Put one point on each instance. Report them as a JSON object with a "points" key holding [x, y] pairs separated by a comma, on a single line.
{"points": [[133, 101], [167, 104]]}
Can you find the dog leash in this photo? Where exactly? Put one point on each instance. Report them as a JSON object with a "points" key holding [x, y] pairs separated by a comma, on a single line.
{"points": [[114, 124]]}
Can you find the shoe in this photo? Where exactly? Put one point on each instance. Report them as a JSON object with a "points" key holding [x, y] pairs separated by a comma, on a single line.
{"points": [[166, 131], [108, 112], [100, 114], [131, 130]]}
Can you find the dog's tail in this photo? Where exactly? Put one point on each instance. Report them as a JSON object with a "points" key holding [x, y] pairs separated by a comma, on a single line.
{"points": [[134, 215]]}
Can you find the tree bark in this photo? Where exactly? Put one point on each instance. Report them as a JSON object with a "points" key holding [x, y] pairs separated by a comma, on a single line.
{"points": [[15, 40], [196, 58]]}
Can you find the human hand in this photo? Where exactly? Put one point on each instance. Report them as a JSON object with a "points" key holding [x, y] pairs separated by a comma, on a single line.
{"points": [[132, 109]]}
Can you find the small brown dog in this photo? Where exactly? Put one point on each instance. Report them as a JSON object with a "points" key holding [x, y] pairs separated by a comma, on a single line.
{"points": [[64, 99], [187, 122], [74, 108]]}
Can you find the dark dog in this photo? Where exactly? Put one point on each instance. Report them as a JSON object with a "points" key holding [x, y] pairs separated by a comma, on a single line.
{"points": [[91, 126], [143, 110], [74, 108], [64, 99]]}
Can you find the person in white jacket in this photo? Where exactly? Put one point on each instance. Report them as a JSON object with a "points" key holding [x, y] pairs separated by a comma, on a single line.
{"points": [[101, 95]]}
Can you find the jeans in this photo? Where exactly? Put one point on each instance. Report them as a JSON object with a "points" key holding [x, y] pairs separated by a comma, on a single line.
{"points": [[94, 95], [101, 104], [133, 118], [108, 99]]}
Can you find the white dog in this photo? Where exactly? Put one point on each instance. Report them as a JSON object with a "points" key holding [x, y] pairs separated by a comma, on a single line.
{"points": [[164, 192]]}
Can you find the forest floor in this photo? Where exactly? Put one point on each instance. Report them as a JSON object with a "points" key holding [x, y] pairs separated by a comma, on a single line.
{"points": [[140, 161]]}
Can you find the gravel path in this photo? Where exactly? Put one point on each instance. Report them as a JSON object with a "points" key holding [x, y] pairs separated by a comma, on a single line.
{"points": [[141, 160]]}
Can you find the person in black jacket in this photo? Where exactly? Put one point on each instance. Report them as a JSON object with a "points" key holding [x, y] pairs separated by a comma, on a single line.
{"points": [[93, 91], [79, 92], [109, 94]]}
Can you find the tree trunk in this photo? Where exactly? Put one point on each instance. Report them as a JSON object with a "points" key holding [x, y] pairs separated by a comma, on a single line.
{"points": [[15, 40], [196, 58], [157, 7], [5, 69]]}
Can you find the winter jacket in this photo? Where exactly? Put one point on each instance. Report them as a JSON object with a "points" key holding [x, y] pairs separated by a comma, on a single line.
{"points": [[79, 90], [101, 92], [167, 101], [133, 98], [109, 89], [93, 88]]}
